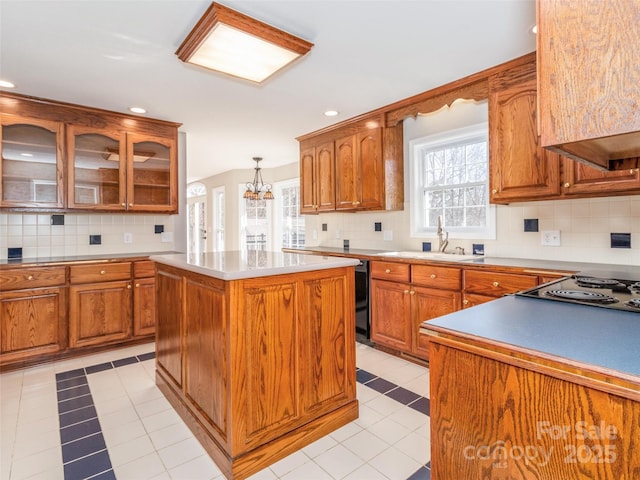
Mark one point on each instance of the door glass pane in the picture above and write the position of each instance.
(29, 164)
(96, 170)
(151, 169)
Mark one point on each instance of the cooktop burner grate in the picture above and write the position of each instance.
(596, 282)
(582, 296)
(634, 302)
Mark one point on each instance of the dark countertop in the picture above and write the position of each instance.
(39, 261)
(585, 334)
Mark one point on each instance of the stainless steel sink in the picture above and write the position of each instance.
(450, 257)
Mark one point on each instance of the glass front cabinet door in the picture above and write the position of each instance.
(31, 168)
(97, 169)
(151, 174)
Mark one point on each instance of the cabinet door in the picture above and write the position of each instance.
(326, 343)
(31, 165)
(371, 169)
(317, 179)
(520, 169)
(308, 181)
(32, 322)
(99, 313)
(347, 171)
(96, 169)
(579, 178)
(391, 323)
(144, 306)
(151, 174)
(430, 303)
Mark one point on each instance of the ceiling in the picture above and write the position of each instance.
(116, 54)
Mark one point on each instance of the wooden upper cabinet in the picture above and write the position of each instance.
(581, 179)
(31, 169)
(317, 178)
(520, 169)
(97, 168)
(61, 156)
(151, 173)
(352, 166)
(360, 171)
(589, 80)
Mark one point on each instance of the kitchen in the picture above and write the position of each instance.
(574, 218)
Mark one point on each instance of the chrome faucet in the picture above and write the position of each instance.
(443, 237)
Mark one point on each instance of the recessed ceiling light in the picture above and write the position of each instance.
(6, 84)
(236, 44)
(137, 110)
(331, 113)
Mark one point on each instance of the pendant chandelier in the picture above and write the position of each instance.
(258, 190)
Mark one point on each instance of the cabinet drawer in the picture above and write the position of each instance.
(436, 277)
(497, 284)
(19, 278)
(399, 272)
(144, 268)
(102, 272)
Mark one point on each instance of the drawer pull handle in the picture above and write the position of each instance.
(388, 270)
(102, 272)
(433, 275)
(30, 277)
(496, 284)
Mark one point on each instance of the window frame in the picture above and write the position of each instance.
(449, 138)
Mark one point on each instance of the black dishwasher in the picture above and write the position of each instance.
(363, 326)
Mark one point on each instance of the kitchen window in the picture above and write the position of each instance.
(450, 179)
(289, 222)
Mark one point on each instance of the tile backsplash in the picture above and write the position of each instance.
(38, 238)
(585, 227)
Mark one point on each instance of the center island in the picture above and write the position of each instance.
(255, 350)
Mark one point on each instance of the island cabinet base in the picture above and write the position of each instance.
(507, 416)
(257, 367)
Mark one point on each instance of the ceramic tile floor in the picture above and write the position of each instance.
(101, 417)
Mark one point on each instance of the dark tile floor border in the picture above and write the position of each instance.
(84, 452)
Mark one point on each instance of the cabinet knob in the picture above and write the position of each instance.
(496, 284)
(129, 286)
(137, 285)
(123, 204)
(433, 275)
(412, 292)
(388, 270)
(30, 277)
(406, 291)
(102, 272)
(465, 301)
(494, 191)
(566, 185)
(131, 204)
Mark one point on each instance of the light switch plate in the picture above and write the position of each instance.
(551, 238)
(388, 235)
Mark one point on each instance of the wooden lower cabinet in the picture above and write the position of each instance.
(99, 313)
(480, 286)
(495, 416)
(258, 367)
(430, 303)
(144, 298)
(391, 314)
(33, 310)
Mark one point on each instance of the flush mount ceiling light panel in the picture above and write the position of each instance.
(236, 44)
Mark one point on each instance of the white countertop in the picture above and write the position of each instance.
(235, 265)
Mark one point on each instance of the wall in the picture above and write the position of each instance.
(585, 224)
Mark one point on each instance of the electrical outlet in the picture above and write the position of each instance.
(127, 237)
(387, 235)
(338, 234)
(551, 238)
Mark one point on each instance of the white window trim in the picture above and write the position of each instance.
(278, 226)
(416, 207)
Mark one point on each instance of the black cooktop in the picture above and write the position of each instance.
(589, 290)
